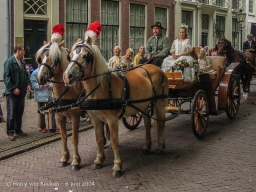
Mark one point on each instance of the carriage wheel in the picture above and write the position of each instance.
(233, 97)
(199, 114)
(132, 121)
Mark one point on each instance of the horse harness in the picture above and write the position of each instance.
(120, 103)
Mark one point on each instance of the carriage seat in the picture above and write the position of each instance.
(216, 62)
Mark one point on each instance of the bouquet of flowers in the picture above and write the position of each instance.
(181, 65)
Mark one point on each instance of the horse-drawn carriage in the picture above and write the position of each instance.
(145, 89)
(209, 94)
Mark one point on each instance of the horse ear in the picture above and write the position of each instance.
(44, 43)
(219, 38)
(89, 40)
(78, 40)
(61, 43)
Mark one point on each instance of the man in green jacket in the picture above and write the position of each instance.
(157, 48)
(17, 83)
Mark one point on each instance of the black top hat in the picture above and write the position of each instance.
(157, 24)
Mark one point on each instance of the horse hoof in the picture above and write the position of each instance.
(116, 174)
(74, 167)
(96, 166)
(159, 152)
(63, 164)
(144, 152)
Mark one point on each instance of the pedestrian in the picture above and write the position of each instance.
(2, 119)
(42, 95)
(139, 55)
(157, 47)
(17, 83)
(249, 45)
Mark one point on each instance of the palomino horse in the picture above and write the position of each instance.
(148, 88)
(54, 61)
(247, 59)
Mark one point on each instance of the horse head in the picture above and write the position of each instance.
(222, 46)
(84, 57)
(48, 57)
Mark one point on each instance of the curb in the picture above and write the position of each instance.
(38, 143)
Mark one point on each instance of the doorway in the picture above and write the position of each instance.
(35, 32)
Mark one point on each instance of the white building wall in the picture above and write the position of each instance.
(3, 40)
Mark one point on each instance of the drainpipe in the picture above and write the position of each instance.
(8, 14)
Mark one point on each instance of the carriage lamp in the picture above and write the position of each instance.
(240, 18)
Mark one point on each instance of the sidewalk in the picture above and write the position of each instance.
(35, 138)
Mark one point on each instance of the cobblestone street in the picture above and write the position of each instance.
(224, 160)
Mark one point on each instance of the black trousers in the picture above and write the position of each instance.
(15, 109)
(155, 61)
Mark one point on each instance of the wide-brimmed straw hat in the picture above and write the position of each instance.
(157, 24)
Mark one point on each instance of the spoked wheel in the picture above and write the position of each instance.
(132, 122)
(233, 97)
(199, 114)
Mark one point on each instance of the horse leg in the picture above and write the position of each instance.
(75, 165)
(147, 145)
(61, 123)
(117, 168)
(160, 111)
(99, 133)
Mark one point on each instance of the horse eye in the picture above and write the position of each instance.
(84, 56)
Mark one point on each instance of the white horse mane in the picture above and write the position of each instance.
(40, 51)
(55, 52)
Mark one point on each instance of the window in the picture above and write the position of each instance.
(235, 33)
(110, 27)
(251, 6)
(76, 20)
(161, 16)
(220, 3)
(220, 22)
(137, 26)
(187, 18)
(36, 7)
(205, 21)
(235, 4)
(204, 1)
(205, 28)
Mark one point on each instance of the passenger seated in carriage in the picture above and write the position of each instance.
(126, 60)
(139, 56)
(204, 63)
(181, 49)
(116, 59)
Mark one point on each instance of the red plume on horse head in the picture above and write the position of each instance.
(93, 31)
(57, 33)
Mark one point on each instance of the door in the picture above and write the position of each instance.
(34, 35)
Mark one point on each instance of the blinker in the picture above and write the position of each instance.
(78, 50)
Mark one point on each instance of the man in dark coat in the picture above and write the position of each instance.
(250, 45)
(17, 83)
